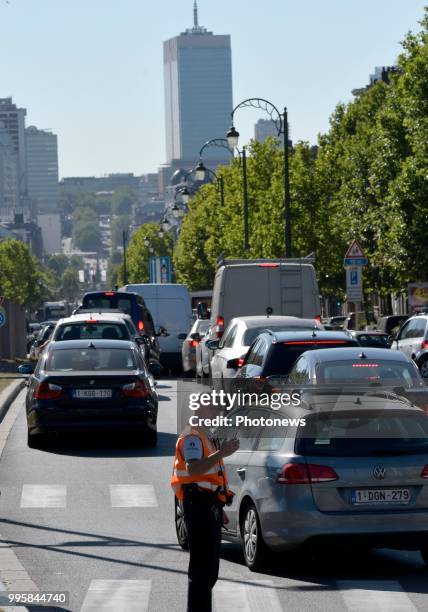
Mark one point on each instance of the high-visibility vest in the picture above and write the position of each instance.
(211, 480)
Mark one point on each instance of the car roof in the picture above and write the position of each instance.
(371, 332)
(318, 334)
(94, 316)
(258, 320)
(356, 352)
(79, 344)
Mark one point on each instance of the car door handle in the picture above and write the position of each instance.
(241, 472)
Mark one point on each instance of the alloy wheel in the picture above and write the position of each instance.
(424, 369)
(250, 535)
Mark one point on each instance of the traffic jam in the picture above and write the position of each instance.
(355, 475)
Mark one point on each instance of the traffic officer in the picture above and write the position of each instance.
(199, 480)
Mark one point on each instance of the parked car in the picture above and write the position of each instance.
(391, 324)
(171, 308)
(412, 340)
(188, 349)
(100, 385)
(272, 355)
(352, 366)
(336, 323)
(230, 351)
(317, 485)
(374, 339)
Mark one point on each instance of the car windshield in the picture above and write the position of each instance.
(93, 359)
(368, 371)
(365, 434)
(91, 330)
(202, 326)
(251, 334)
(285, 354)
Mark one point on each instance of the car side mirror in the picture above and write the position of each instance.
(236, 363)
(196, 336)
(213, 344)
(26, 368)
(162, 332)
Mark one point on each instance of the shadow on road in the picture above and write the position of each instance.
(111, 446)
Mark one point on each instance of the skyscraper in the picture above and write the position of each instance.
(198, 94)
(13, 122)
(42, 169)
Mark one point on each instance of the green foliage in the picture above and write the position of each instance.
(57, 263)
(22, 280)
(123, 200)
(138, 253)
(119, 225)
(86, 231)
(70, 284)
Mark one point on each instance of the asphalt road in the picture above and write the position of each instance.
(96, 520)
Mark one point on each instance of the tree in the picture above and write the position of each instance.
(138, 253)
(86, 231)
(123, 200)
(57, 263)
(70, 284)
(119, 225)
(22, 280)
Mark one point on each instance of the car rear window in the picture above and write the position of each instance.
(373, 340)
(251, 334)
(368, 371)
(284, 354)
(90, 359)
(92, 331)
(102, 301)
(366, 434)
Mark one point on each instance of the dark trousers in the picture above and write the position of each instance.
(203, 521)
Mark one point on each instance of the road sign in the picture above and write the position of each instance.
(160, 270)
(354, 284)
(354, 256)
(3, 317)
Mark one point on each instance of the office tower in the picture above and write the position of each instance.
(198, 94)
(9, 195)
(42, 169)
(13, 121)
(264, 128)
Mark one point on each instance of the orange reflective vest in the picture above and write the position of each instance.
(210, 480)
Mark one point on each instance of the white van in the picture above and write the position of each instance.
(244, 287)
(171, 308)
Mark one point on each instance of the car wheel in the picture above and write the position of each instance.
(180, 525)
(253, 545)
(423, 368)
(36, 440)
(151, 438)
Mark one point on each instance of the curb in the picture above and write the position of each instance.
(8, 396)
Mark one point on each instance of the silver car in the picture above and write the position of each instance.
(190, 344)
(357, 472)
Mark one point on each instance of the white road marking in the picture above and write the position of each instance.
(117, 596)
(375, 596)
(250, 597)
(133, 496)
(44, 496)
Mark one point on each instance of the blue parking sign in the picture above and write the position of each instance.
(160, 270)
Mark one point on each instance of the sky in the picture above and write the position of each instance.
(92, 70)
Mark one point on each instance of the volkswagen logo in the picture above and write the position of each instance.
(379, 472)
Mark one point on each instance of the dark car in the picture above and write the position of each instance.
(375, 339)
(84, 386)
(272, 355)
(131, 304)
(391, 324)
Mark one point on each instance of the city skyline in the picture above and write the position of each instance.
(113, 68)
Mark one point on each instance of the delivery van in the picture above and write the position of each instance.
(171, 309)
(244, 287)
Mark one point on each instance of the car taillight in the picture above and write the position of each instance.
(91, 321)
(302, 473)
(109, 293)
(220, 326)
(424, 344)
(140, 326)
(269, 265)
(424, 473)
(240, 362)
(193, 343)
(136, 389)
(318, 318)
(47, 390)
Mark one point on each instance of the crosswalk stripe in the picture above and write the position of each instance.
(250, 597)
(44, 496)
(117, 596)
(375, 596)
(133, 496)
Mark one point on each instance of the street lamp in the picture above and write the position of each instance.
(165, 226)
(185, 195)
(281, 123)
(200, 171)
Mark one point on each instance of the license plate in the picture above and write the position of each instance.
(380, 496)
(92, 393)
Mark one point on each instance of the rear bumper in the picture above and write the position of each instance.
(393, 529)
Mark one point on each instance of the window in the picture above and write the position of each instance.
(230, 337)
(370, 372)
(90, 359)
(261, 350)
(404, 331)
(253, 352)
(299, 375)
(92, 331)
